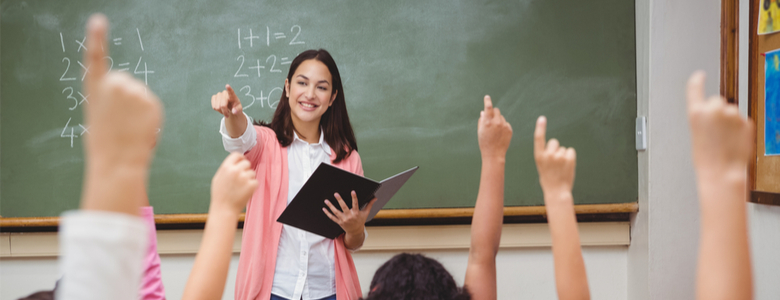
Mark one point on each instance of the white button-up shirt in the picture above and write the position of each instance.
(305, 262)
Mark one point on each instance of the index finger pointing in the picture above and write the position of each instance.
(540, 134)
(97, 49)
(695, 92)
(231, 93)
(488, 106)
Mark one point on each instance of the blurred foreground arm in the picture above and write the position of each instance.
(103, 245)
(722, 143)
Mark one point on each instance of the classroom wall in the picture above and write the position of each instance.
(674, 38)
(27, 260)
(523, 273)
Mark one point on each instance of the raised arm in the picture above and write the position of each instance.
(722, 142)
(555, 165)
(102, 245)
(227, 103)
(231, 188)
(494, 135)
(124, 119)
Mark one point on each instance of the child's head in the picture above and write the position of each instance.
(313, 92)
(43, 295)
(413, 277)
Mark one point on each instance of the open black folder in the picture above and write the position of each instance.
(305, 210)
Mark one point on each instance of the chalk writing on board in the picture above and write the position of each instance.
(81, 44)
(86, 130)
(71, 135)
(85, 72)
(263, 54)
(268, 98)
(83, 98)
(123, 65)
(70, 96)
(74, 98)
(63, 78)
(294, 42)
(250, 36)
(146, 71)
(241, 57)
(265, 101)
(257, 67)
(141, 42)
(62, 41)
(271, 64)
(248, 93)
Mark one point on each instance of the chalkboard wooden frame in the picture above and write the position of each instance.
(384, 216)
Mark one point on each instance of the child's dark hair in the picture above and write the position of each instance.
(43, 295)
(414, 277)
(334, 122)
(46, 295)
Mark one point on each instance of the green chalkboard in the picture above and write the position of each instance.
(414, 74)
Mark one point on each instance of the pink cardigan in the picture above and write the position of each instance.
(151, 283)
(260, 241)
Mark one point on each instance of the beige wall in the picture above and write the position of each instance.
(674, 38)
(525, 269)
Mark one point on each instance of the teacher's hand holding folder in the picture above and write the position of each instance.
(351, 219)
(319, 208)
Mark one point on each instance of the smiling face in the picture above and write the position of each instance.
(310, 92)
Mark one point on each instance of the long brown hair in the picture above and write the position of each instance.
(334, 122)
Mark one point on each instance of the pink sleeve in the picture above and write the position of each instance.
(358, 164)
(151, 283)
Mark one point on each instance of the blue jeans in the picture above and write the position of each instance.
(275, 297)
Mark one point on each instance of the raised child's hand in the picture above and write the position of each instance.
(233, 184)
(494, 132)
(723, 140)
(226, 102)
(122, 115)
(554, 163)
